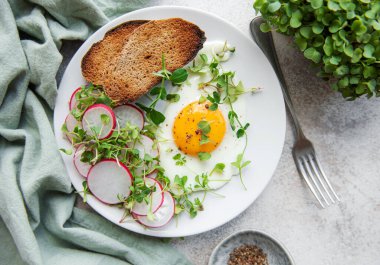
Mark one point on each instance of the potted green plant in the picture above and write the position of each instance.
(341, 36)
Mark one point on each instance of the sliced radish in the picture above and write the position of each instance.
(131, 114)
(73, 100)
(92, 121)
(146, 146)
(71, 123)
(82, 167)
(162, 216)
(155, 200)
(108, 179)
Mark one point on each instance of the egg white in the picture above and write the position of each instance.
(225, 153)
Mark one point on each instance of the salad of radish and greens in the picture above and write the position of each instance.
(116, 148)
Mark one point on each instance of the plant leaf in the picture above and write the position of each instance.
(203, 156)
(179, 76)
(312, 54)
(156, 116)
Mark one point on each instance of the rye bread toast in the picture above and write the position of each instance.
(96, 60)
(129, 74)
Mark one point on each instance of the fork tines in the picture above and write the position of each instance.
(311, 170)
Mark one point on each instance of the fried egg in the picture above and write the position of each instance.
(179, 133)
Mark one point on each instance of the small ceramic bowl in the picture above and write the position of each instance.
(276, 252)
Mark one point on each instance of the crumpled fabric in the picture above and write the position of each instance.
(39, 223)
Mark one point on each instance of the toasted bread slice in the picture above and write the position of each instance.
(129, 74)
(96, 60)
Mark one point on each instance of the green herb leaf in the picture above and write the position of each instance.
(316, 3)
(218, 168)
(306, 32)
(177, 156)
(173, 97)
(144, 108)
(358, 27)
(333, 6)
(180, 160)
(273, 7)
(312, 54)
(202, 99)
(358, 53)
(105, 119)
(216, 96)
(204, 126)
(295, 20)
(204, 156)
(155, 90)
(156, 116)
(213, 107)
(328, 46)
(179, 76)
(231, 117)
(240, 133)
(317, 28)
(66, 151)
(265, 27)
(368, 51)
(301, 42)
(204, 139)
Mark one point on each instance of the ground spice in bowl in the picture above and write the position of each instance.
(248, 255)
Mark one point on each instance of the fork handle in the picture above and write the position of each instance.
(266, 43)
(285, 90)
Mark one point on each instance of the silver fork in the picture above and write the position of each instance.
(304, 154)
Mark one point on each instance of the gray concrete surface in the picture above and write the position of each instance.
(347, 138)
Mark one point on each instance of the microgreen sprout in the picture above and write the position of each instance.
(180, 159)
(88, 95)
(204, 156)
(218, 168)
(85, 191)
(176, 78)
(226, 91)
(204, 128)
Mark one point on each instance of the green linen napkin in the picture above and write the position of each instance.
(39, 223)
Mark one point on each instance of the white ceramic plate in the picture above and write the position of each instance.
(266, 114)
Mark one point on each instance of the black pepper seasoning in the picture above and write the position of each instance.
(248, 255)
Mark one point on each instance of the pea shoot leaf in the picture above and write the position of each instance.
(179, 76)
(218, 168)
(204, 156)
(204, 126)
(156, 116)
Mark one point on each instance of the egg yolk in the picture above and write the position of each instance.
(187, 135)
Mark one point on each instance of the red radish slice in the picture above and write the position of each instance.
(82, 167)
(73, 100)
(107, 180)
(146, 146)
(131, 114)
(156, 199)
(92, 122)
(71, 123)
(163, 215)
(152, 175)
